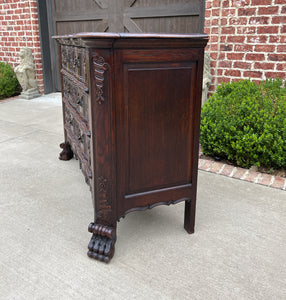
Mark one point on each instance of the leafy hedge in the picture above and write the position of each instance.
(246, 123)
(9, 84)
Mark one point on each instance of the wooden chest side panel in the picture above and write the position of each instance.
(156, 102)
(159, 117)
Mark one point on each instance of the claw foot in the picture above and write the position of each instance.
(67, 153)
(101, 245)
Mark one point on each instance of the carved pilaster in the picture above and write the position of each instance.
(101, 246)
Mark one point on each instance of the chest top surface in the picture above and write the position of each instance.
(130, 40)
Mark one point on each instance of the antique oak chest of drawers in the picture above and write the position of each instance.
(131, 109)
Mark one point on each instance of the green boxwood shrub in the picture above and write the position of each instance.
(9, 84)
(245, 123)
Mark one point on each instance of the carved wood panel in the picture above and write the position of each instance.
(75, 102)
(79, 140)
(80, 143)
(77, 97)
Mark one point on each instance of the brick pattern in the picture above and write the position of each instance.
(19, 27)
(247, 39)
(241, 173)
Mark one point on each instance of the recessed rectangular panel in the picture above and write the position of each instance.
(70, 27)
(75, 5)
(158, 103)
(182, 24)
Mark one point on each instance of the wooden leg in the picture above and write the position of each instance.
(67, 153)
(190, 214)
(101, 245)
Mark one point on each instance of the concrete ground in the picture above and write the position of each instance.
(237, 252)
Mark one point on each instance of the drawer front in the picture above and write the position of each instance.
(75, 104)
(75, 61)
(78, 136)
(76, 96)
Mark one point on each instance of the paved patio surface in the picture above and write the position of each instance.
(237, 252)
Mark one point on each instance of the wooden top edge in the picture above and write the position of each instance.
(86, 35)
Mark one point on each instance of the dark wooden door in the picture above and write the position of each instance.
(169, 16)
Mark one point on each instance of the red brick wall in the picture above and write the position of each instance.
(19, 27)
(247, 39)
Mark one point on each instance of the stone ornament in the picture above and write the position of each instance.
(25, 73)
(207, 79)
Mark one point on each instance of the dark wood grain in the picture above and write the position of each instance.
(131, 116)
(152, 122)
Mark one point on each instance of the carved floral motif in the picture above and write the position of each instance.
(74, 62)
(102, 184)
(104, 206)
(100, 66)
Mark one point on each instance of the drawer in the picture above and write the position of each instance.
(76, 96)
(79, 138)
(74, 61)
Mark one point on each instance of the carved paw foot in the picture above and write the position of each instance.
(101, 245)
(67, 153)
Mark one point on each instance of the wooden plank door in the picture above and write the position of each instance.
(170, 16)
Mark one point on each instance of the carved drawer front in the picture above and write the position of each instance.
(77, 97)
(74, 61)
(79, 139)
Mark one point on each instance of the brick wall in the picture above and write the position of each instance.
(247, 39)
(19, 27)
